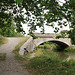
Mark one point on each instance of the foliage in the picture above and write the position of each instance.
(49, 66)
(18, 2)
(48, 45)
(6, 32)
(47, 62)
(9, 30)
(58, 36)
(70, 49)
(3, 40)
(62, 34)
(31, 34)
(35, 15)
(72, 35)
(10, 18)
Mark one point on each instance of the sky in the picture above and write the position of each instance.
(48, 29)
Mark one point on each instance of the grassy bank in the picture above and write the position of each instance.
(70, 49)
(44, 65)
(17, 48)
(3, 40)
(45, 61)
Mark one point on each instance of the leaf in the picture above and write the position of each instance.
(18, 2)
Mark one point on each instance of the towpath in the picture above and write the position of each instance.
(10, 66)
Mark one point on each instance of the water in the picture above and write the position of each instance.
(66, 55)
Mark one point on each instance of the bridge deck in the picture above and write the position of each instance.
(47, 35)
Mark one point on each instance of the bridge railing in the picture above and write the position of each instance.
(47, 35)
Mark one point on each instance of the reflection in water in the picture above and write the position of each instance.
(66, 55)
(62, 55)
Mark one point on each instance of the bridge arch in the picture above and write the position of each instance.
(61, 42)
(31, 43)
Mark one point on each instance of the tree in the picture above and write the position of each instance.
(72, 35)
(56, 12)
(63, 34)
(37, 12)
(10, 17)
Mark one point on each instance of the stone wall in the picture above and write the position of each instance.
(28, 45)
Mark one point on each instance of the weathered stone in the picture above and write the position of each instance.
(32, 43)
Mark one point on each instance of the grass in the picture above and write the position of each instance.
(2, 56)
(70, 49)
(3, 40)
(17, 48)
(51, 66)
(45, 61)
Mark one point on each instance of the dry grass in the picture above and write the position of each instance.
(2, 56)
(3, 40)
(17, 48)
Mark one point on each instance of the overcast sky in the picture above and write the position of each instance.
(48, 29)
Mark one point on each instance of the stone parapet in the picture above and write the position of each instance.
(47, 35)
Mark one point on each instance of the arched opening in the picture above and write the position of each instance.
(61, 45)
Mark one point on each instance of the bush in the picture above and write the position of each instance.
(70, 49)
(57, 37)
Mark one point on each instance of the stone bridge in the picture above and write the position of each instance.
(41, 38)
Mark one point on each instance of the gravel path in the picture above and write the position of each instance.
(10, 66)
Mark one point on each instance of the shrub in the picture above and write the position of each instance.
(59, 36)
(70, 49)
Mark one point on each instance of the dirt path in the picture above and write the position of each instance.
(10, 66)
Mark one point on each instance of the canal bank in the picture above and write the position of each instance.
(46, 60)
